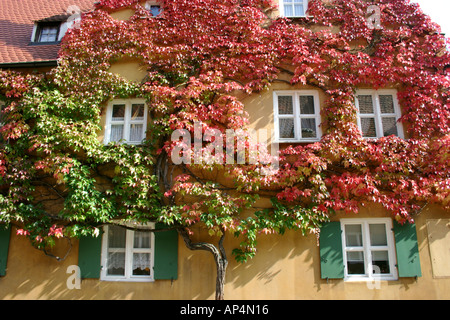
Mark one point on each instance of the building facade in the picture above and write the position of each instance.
(358, 256)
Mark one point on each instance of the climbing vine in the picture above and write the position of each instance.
(59, 180)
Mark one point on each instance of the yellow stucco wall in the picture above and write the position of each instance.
(285, 267)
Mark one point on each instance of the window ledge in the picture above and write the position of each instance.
(111, 279)
(363, 279)
(297, 141)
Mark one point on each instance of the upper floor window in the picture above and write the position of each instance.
(126, 120)
(153, 7)
(368, 249)
(47, 32)
(293, 8)
(297, 116)
(378, 113)
(127, 255)
(53, 29)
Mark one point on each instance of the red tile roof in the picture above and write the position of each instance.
(17, 18)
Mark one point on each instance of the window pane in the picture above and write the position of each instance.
(116, 237)
(141, 264)
(287, 128)
(355, 262)
(288, 10)
(380, 262)
(118, 112)
(365, 104)
(136, 132)
(155, 10)
(378, 234)
(116, 263)
(299, 11)
(387, 104)
(353, 235)
(141, 240)
(116, 132)
(285, 105)
(307, 105)
(48, 34)
(116, 250)
(137, 112)
(389, 126)
(309, 128)
(368, 127)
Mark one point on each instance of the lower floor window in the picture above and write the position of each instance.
(368, 249)
(127, 255)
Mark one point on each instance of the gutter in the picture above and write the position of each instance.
(31, 64)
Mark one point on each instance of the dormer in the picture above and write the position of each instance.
(52, 29)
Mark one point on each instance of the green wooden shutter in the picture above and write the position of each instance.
(166, 254)
(331, 256)
(408, 261)
(5, 232)
(89, 256)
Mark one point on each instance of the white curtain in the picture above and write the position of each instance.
(141, 261)
(136, 131)
(368, 127)
(116, 260)
(116, 132)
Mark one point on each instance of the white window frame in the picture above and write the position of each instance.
(281, 8)
(127, 122)
(377, 115)
(367, 249)
(129, 250)
(297, 116)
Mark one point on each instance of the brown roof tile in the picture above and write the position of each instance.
(17, 18)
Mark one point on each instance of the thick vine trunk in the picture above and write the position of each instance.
(219, 255)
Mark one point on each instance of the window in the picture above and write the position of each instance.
(297, 116)
(368, 249)
(378, 113)
(133, 248)
(153, 7)
(47, 32)
(293, 8)
(127, 255)
(126, 121)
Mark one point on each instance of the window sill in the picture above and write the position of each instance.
(297, 141)
(370, 279)
(133, 279)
